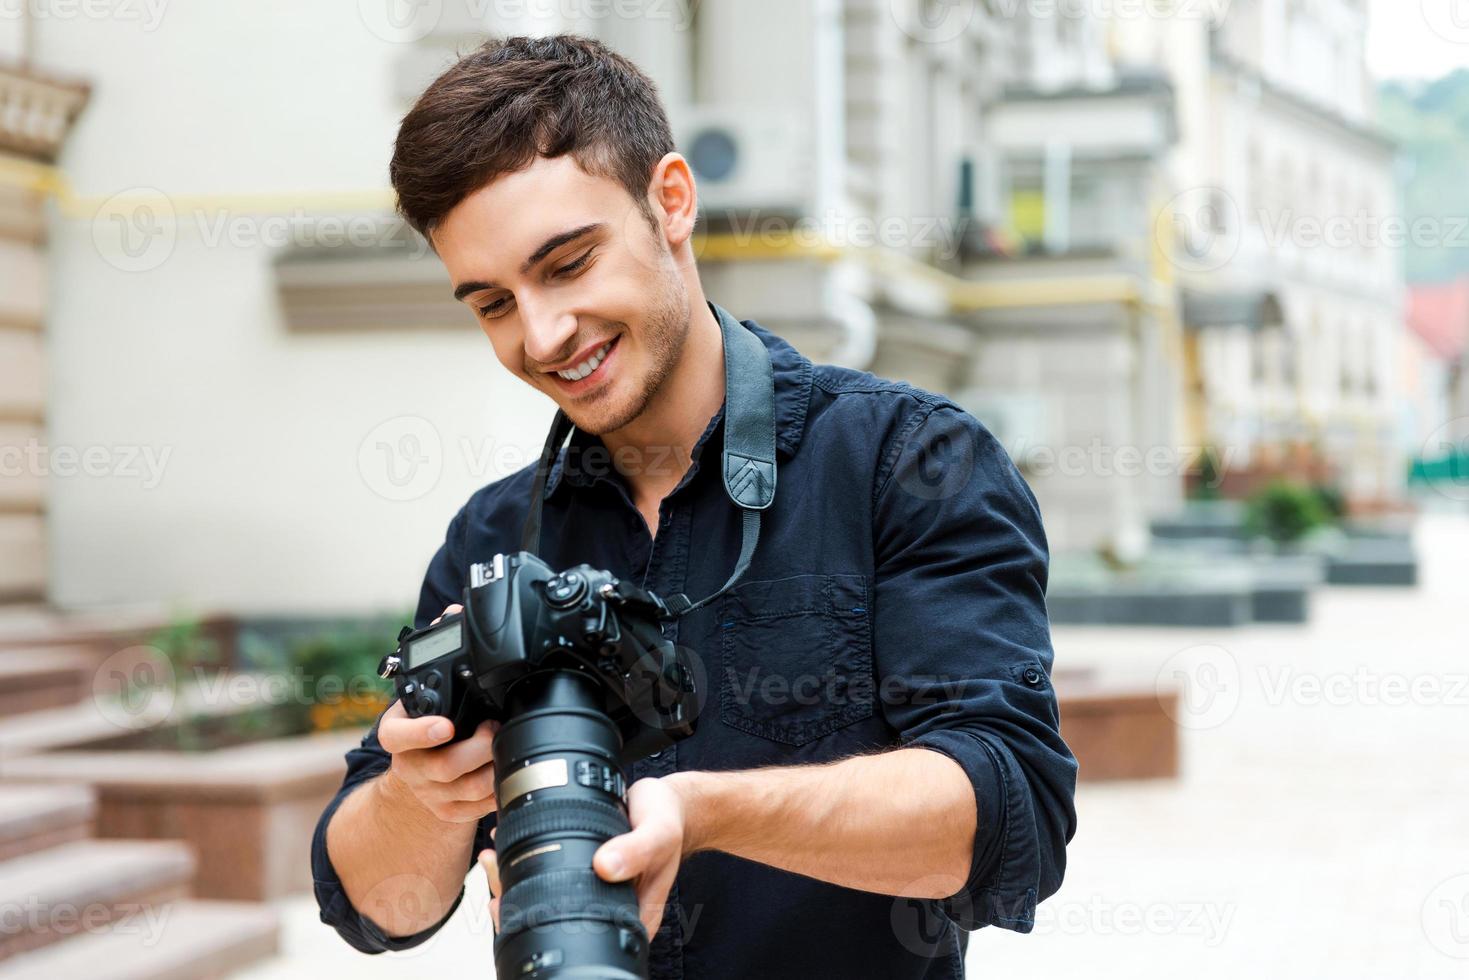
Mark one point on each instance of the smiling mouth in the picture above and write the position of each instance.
(587, 373)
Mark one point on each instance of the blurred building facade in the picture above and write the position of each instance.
(1069, 223)
(36, 113)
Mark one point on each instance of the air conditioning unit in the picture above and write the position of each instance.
(748, 158)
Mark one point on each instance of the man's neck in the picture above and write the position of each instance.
(660, 440)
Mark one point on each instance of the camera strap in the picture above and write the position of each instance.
(747, 462)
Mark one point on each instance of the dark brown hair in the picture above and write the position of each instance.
(517, 98)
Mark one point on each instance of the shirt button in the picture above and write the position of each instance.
(1032, 676)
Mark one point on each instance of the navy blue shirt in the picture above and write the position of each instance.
(897, 598)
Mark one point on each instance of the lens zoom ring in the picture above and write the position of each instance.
(568, 893)
(558, 816)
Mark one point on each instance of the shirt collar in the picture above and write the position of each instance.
(792, 377)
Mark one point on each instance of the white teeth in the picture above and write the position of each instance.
(588, 366)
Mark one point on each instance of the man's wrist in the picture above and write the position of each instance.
(698, 792)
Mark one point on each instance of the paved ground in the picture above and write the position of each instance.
(1321, 828)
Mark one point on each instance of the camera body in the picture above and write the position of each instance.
(521, 617)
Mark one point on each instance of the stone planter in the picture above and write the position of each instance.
(247, 812)
(1118, 730)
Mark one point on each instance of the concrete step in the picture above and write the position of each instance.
(75, 889)
(180, 941)
(33, 680)
(33, 818)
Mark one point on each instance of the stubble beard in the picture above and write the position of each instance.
(665, 334)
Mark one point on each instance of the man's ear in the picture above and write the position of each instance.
(675, 199)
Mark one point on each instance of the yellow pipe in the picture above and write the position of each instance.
(961, 295)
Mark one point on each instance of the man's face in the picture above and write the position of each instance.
(577, 292)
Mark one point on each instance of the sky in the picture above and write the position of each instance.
(1417, 38)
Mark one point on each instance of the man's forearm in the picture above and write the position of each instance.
(400, 865)
(899, 823)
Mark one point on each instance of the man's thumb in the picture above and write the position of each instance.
(620, 858)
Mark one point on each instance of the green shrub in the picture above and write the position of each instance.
(1285, 512)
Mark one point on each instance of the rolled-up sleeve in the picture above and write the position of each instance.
(964, 652)
(369, 760)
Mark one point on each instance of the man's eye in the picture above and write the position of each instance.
(576, 266)
(492, 308)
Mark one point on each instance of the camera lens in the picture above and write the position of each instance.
(560, 787)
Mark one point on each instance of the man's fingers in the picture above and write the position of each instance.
(463, 757)
(491, 864)
(399, 733)
(653, 897)
(472, 787)
(448, 611)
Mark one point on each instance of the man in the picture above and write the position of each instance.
(877, 767)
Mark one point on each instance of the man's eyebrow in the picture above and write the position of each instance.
(547, 247)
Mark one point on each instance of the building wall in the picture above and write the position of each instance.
(279, 488)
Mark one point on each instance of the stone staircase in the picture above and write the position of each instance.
(73, 906)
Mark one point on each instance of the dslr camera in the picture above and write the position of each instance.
(576, 668)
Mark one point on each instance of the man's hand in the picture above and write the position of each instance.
(455, 783)
(649, 855)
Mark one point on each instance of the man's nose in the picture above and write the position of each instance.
(548, 331)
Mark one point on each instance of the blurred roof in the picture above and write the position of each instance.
(1439, 315)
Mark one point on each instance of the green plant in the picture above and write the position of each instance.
(1206, 487)
(1333, 501)
(1285, 512)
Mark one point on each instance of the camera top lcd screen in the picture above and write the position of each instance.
(435, 645)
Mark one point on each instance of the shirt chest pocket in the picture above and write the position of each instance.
(796, 656)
